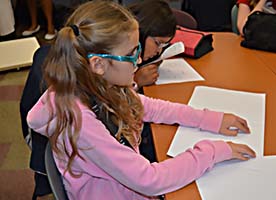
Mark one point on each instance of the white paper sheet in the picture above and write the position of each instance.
(175, 71)
(172, 50)
(249, 180)
(250, 106)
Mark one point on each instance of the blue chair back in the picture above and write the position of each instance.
(234, 19)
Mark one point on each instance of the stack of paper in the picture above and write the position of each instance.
(239, 180)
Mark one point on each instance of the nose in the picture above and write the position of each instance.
(139, 61)
(159, 50)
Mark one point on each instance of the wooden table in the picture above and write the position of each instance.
(228, 66)
(268, 58)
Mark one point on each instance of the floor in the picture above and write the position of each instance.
(16, 180)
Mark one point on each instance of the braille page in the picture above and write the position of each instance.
(250, 106)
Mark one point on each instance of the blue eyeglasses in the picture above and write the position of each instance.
(133, 59)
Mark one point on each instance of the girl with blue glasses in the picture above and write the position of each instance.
(93, 117)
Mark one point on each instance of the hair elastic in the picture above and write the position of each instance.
(75, 29)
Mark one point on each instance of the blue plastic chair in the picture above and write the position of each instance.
(234, 19)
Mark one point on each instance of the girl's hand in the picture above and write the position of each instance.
(232, 124)
(241, 151)
(146, 75)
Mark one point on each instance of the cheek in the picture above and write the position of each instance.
(149, 50)
(126, 72)
(121, 74)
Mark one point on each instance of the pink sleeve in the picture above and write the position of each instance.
(159, 111)
(38, 117)
(129, 168)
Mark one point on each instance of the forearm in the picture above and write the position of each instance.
(243, 13)
(159, 111)
(156, 178)
(259, 6)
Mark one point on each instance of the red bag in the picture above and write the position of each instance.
(197, 43)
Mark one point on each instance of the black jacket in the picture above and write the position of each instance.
(33, 89)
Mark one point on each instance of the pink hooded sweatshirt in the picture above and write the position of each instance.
(111, 170)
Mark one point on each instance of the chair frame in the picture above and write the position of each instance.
(184, 19)
(54, 176)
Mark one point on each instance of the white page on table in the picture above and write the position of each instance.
(175, 71)
(250, 106)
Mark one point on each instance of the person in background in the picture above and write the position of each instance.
(33, 89)
(246, 7)
(7, 30)
(93, 117)
(157, 26)
(47, 7)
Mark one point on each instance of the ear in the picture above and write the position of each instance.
(97, 65)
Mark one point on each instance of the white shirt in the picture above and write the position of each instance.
(7, 18)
